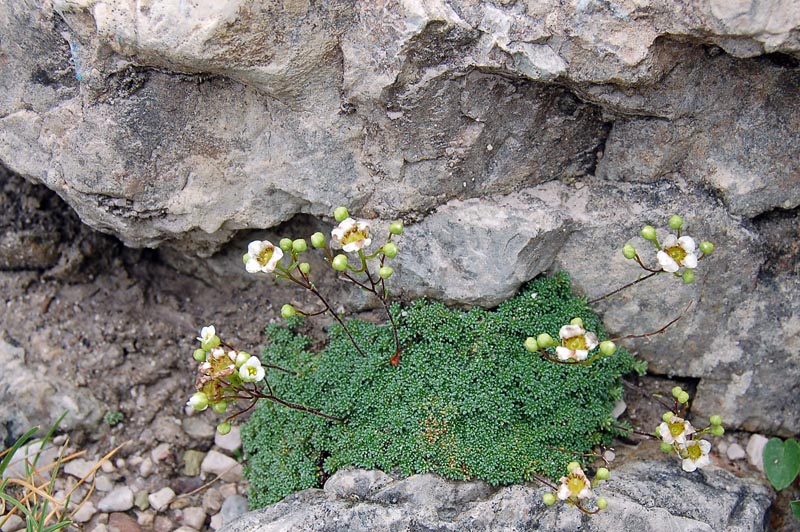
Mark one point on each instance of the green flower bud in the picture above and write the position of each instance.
(385, 272)
(666, 417)
(649, 233)
(304, 267)
(245, 258)
(549, 499)
(241, 358)
(676, 391)
(717, 430)
(285, 244)
(219, 407)
(707, 248)
(390, 250)
(603, 473)
(396, 228)
(210, 344)
(576, 321)
(299, 245)
(199, 401)
(675, 222)
(545, 340)
(683, 398)
(716, 420)
(531, 345)
(199, 355)
(602, 504)
(572, 466)
(628, 251)
(688, 276)
(608, 348)
(224, 428)
(339, 263)
(287, 311)
(666, 448)
(318, 240)
(340, 214)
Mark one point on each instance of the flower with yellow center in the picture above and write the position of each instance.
(251, 371)
(695, 455)
(262, 256)
(574, 486)
(575, 343)
(675, 431)
(352, 235)
(676, 253)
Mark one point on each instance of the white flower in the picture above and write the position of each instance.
(677, 252)
(675, 431)
(352, 235)
(251, 371)
(574, 486)
(263, 257)
(575, 343)
(217, 353)
(696, 455)
(207, 334)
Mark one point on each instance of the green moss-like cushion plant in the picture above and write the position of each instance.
(466, 401)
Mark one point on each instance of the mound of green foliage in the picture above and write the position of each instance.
(467, 401)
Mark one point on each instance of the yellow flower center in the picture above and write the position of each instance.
(677, 253)
(575, 343)
(676, 428)
(694, 452)
(265, 255)
(575, 485)
(354, 235)
(251, 371)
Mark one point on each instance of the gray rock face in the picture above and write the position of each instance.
(513, 137)
(643, 497)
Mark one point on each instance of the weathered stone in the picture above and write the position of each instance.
(198, 428)
(224, 466)
(357, 484)
(191, 462)
(161, 499)
(230, 442)
(233, 507)
(118, 500)
(119, 522)
(755, 451)
(642, 496)
(193, 516)
(12, 524)
(736, 452)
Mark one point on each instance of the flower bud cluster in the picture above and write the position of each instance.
(576, 345)
(576, 487)
(678, 436)
(222, 373)
(676, 253)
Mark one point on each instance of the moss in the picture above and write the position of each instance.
(467, 400)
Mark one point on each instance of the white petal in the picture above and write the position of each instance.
(666, 262)
(688, 465)
(703, 461)
(585, 492)
(255, 247)
(277, 254)
(581, 354)
(690, 261)
(252, 266)
(705, 446)
(571, 331)
(669, 241)
(591, 340)
(666, 435)
(564, 353)
(563, 492)
(687, 243)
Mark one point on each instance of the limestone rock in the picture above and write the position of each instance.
(643, 497)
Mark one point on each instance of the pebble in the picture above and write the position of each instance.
(212, 500)
(619, 409)
(223, 466)
(140, 500)
(736, 452)
(228, 490)
(103, 483)
(193, 516)
(85, 513)
(755, 448)
(100, 528)
(78, 468)
(230, 442)
(161, 499)
(191, 462)
(163, 524)
(13, 524)
(108, 467)
(118, 522)
(146, 468)
(120, 463)
(233, 507)
(160, 453)
(145, 519)
(118, 500)
(186, 529)
(216, 521)
(198, 428)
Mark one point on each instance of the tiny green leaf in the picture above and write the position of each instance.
(781, 462)
(795, 508)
